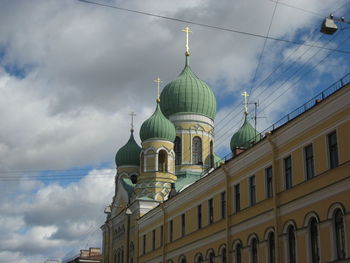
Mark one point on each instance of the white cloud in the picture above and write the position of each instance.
(55, 218)
(86, 67)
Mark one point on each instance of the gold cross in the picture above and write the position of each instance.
(187, 30)
(132, 114)
(158, 81)
(245, 95)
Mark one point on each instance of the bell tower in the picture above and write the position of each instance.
(157, 158)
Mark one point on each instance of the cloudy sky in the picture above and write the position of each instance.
(71, 72)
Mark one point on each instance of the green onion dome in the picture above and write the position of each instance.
(245, 136)
(158, 127)
(129, 154)
(188, 94)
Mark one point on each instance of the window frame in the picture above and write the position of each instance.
(291, 253)
(144, 244)
(161, 235)
(183, 225)
(223, 204)
(252, 190)
(309, 160)
(333, 154)
(197, 149)
(238, 245)
(210, 211)
(171, 230)
(178, 150)
(314, 240)
(254, 257)
(162, 166)
(237, 200)
(268, 182)
(271, 247)
(288, 172)
(199, 216)
(340, 241)
(153, 239)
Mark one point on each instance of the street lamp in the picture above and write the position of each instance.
(329, 26)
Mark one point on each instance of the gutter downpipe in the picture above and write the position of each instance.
(228, 213)
(275, 199)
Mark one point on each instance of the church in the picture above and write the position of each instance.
(282, 196)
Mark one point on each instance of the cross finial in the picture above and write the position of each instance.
(158, 81)
(132, 114)
(187, 30)
(245, 95)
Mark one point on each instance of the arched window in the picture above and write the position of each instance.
(210, 256)
(119, 257)
(238, 255)
(339, 233)
(291, 244)
(211, 154)
(178, 150)
(115, 258)
(271, 247)
(199, 258)
(223, 255)
(197, 150)
(162, 161)
(122, 257)
(182, 259)
(313, 232)
(254, 250)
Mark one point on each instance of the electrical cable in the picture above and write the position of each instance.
(209, 26)
(299, 8)
(263, 49)
(305, 63)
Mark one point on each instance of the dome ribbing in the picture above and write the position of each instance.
(245, 136)
(188, 94)
(157, 127)
(129, 154)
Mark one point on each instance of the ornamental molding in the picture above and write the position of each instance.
(176, 118)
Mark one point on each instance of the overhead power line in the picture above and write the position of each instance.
(299, 8)
(211, 26)
(263, 49)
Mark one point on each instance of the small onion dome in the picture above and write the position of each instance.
(129, 154)
(188, 94)
(245, 136)
(157, 127)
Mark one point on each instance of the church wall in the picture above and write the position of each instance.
(316, 195)
(187, 130)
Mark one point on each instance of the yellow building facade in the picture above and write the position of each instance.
(285, 198)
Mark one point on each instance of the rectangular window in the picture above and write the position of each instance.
(171, 226)
(223, 205)
(199, 216)
(183, 225)
(309, 162)
(333, 150)
(237, 198)
(153, 239)
(268, 178)
(252, 194)
(288, 172)
(144, 244)
(161, 235)
(211, 211)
